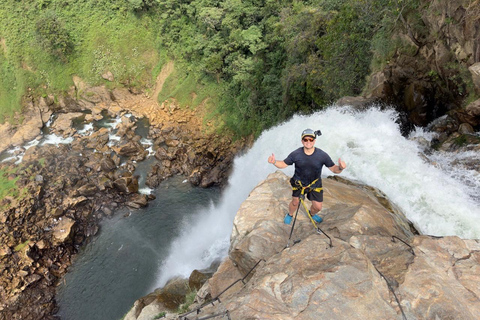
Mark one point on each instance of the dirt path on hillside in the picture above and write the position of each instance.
(167, 69)
(164, 113)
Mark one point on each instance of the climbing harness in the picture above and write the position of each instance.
(306, 190)
(217, 298)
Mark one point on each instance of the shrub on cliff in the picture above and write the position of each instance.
(53, 36)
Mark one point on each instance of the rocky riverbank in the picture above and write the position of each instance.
(377, 265)
(62, 191)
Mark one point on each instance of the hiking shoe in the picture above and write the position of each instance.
(317, 218)
(287, 219)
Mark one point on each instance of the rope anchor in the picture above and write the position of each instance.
(217, 298)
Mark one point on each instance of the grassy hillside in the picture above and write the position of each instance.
(44, 43)
(258, 61)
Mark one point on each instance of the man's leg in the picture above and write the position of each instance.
(316, 207)
(292, 207)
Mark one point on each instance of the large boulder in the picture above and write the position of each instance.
(376, 259)
(126, 184)
(442, 282)
(62, 231)
(34, 117)
(63, 122)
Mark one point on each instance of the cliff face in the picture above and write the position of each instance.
(65, 190)
(437, 64)
(377, 268)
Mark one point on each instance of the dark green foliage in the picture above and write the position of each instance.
(257, 61)
(140, 5)
(53, 36)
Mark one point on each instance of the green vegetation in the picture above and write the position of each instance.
(160, 315)
(255, 62)
(189, 298)
(21, 246)
(461, 140)
(7, 185)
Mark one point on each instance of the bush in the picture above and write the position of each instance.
(139, 5)
(53, 36)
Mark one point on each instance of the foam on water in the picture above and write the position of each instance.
(145, 190)
(149, 144)
(54, 139)
(86, 130)
(436, 198)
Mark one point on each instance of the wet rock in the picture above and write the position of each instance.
(62, 231)
(107, 164)
(29, 130)
(173, 293)
(130, 149)
(127, 184)
(465, 128)
(125, 127)
(161, 154)
(137, 201)
(216, 175)
(87, 190)
(97, 140)
(195, 177)
(66, 103)
(63, 123)
(153, 177)
(198, 278)
(416, 102)
(475, 71)
(470, 115)
(428, 80)
(358, 102)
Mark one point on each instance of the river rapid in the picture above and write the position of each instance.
(188, 228)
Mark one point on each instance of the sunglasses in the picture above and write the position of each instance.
(308, 139)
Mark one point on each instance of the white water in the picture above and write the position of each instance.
(87, 130)
(19, 152)
(438, 199)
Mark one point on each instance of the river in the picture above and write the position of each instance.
(188, 228)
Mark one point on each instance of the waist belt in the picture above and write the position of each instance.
(300, 186)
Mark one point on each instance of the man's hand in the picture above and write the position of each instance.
(271, 159)
(341, 164)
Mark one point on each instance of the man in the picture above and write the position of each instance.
(308, 162)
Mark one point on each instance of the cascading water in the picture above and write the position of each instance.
(438, 199)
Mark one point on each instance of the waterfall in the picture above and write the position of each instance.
(439, 199)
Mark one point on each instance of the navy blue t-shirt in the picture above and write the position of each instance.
(309, 167)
